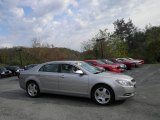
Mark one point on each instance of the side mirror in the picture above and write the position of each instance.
(79, 72)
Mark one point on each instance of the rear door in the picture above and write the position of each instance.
(49, 77)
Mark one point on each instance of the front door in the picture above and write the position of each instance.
(71, 82)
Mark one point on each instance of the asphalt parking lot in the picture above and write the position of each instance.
(16, 105)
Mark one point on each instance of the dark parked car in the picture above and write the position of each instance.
(4, 72)
(27, 67)
(14, 69)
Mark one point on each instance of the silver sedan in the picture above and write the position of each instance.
(77, 78)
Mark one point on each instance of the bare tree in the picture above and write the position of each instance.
(36, 42)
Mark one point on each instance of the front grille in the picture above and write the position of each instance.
(7, 72)
(118, 67)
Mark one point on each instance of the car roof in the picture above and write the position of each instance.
(69, 62)
(2, 67)
(90, 60)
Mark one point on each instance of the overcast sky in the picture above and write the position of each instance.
(66, 23)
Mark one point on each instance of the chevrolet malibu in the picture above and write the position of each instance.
(77, 78)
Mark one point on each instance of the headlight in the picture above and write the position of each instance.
(10, 72)
(3, 73)
(124, 83)
(123, 66)
(17, 70)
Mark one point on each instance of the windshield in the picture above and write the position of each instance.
(124, 58)
(108, 61)
(130, 58)
(100, 62)
(2, 69)
(14, 67)
(88, 67)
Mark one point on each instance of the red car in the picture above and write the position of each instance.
(109, 67)
(128, 63)
(139, 61)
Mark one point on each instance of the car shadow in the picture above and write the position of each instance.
(53, 99)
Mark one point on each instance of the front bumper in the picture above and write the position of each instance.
(6, 75)
(122, 92)
(117, 70)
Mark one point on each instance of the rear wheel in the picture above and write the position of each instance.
(33, 89)
(103, 95)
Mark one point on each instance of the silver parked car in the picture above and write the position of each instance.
(77, 78)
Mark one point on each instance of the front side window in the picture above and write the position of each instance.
(66, 68)
(87, 67)
(49, 68)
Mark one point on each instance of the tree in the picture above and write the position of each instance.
(112, 45)
(125, 31)
(36, 42)
(118, 47)
(87, 45)
(152, 36)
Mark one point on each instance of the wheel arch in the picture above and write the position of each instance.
(98, 84)
(31, 80)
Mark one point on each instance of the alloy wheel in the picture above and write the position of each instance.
(32, 89)
(102, 95)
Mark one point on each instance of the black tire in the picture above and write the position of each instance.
(36, 92)
(129, 68)
(136, 66)
(109, 91)
(1, 76)
(107, 69)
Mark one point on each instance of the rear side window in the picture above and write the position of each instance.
(49, 68)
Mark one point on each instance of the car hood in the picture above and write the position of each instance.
(115, 76)
(136, 60)
(128, 62)
(110, 65)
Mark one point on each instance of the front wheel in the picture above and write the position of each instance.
(103, 95)
(33, 89)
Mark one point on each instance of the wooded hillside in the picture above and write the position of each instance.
(11, 56)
